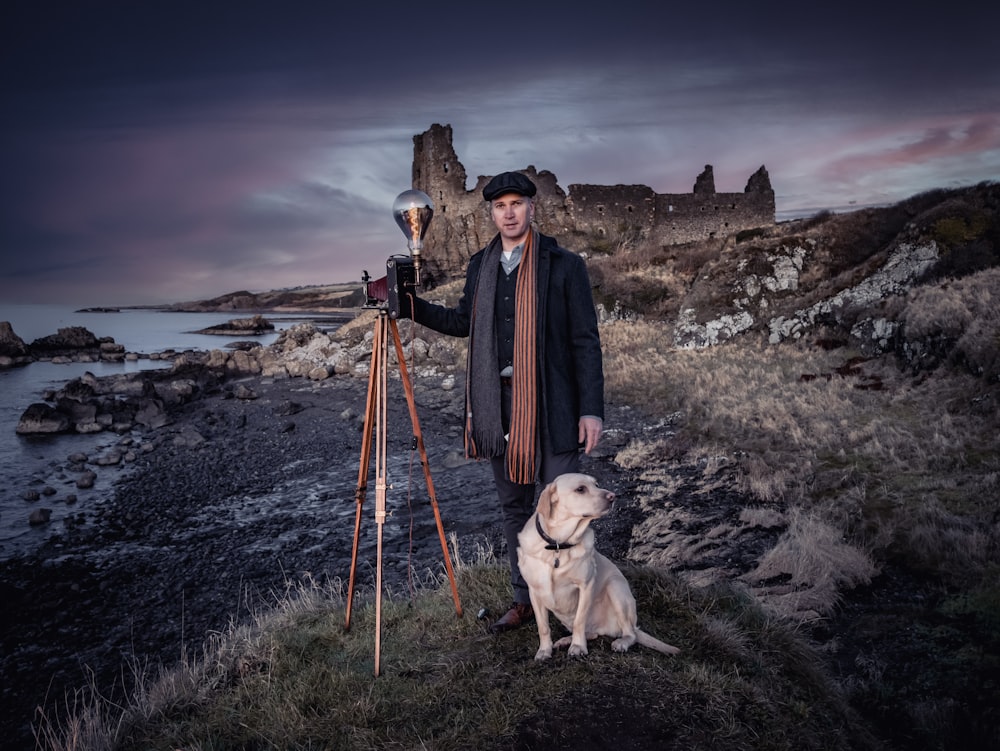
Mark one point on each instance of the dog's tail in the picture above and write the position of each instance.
(653, 643)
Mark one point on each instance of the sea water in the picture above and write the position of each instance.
(36, 462)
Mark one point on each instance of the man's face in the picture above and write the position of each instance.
(512, 214)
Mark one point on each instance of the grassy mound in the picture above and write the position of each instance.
(293, 678)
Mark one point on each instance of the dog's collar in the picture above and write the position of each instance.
(552, 544)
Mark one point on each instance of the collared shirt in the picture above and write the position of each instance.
(509, 261)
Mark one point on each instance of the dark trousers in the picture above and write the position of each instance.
(517, 501)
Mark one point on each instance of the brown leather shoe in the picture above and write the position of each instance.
(519, 614)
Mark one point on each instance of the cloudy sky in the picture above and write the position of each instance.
(162, 151)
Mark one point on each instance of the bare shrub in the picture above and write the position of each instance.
(979, 348)
(641, 454)
(763, 481)
(812, 564)
(817, 219)
(949, 308)
(935, 539)
(643, 280)
(861, 234)
(959, 319)
(692, 257)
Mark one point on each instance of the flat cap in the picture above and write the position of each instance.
(508, 182)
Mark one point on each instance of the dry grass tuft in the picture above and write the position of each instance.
(803, 574)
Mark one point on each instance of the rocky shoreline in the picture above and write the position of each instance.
(241, 486)
(244, 484)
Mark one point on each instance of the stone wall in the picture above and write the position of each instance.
(606, 214)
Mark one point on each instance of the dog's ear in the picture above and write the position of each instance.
(546, 500)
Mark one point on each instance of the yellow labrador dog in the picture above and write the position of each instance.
(568, 577)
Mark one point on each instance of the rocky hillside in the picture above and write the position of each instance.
(842, 274)
(848, 277)
(319, 299)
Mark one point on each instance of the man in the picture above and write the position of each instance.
(535, 379)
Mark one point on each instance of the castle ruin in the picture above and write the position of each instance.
(614, 214)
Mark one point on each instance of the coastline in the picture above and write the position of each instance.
(238, 499)
(250, 488)
(35, 466)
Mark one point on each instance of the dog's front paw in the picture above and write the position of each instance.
(578, 650)
(622, 644)
(543, 653)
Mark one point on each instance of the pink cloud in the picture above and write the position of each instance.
(913, 144)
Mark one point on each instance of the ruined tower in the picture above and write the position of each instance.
(462, 226)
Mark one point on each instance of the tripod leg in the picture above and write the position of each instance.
(363, 468)
(381, 480)
(411, 403)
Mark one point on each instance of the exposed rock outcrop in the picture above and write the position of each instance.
(118, 403)
(13, 350)
(240, 327)
(905, 265)
(43, 419)
(69, 344)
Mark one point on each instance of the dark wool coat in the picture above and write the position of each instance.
(569, 347)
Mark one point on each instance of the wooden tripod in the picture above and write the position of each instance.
(375, 423)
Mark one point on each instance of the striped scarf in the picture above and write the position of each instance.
(484, 426)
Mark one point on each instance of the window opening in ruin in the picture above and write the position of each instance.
(600, 209)
(446, 168)
(670, 207)
(629, 209)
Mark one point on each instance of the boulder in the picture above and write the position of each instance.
(11, 345)
(320, 372)
(240, 327)
(39, 516)
(112, 352)
(242, 391)
(41, 418)
(152, 414)
(68, 338)
(86, 479)
(242, 363)
(189, 438)
(110, 459)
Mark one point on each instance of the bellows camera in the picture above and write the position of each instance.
(393, 289)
